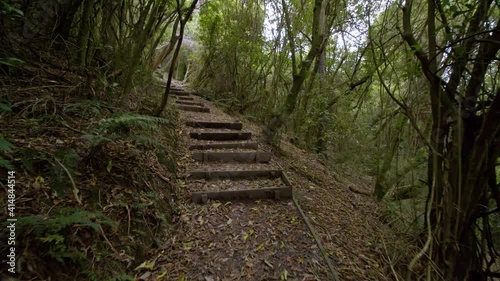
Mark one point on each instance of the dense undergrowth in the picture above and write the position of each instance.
(95, 182)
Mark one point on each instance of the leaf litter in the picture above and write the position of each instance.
(266, 240)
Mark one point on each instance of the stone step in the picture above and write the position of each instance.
(182, 91)
(242, 174)
(247, 194)
(220, 136)
(230, 157)
(184, 98)
(194, 108)
(179, 93)
(215, 125)
(189, 103)
(244, 145)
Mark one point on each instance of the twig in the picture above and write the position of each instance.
(107, 240)
(335, 275)
(71, 128)
(129, 219)
(75, 189)
(161, 176)
(389, 260)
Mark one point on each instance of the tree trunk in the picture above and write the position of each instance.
(463, 152)
(84, 33)
(183, 22)
(43, 21)
(167, 49)
(299, 75)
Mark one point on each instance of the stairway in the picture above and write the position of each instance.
(227, 153)
(242, 223)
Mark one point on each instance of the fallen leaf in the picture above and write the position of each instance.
(188, 246)
(145, 276)
(248, 235)
(284, 275)
(268, 264)
(260, 247)
(146, 265)
(161, 275)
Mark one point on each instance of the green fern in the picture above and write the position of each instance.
(146, 141)
(53, 231)
(134, 128)
(68, 217)
(5, 108)
(7, 147)
(131, 122)
(86, 108)
(95, 140)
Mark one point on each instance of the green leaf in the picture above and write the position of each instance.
(284, 275)
(459, 50)
(53, 238)
(110, 166)
(5, 108)
(8, 9)
(5, 145)
(11, 61)
(6, 164)
(149, 265)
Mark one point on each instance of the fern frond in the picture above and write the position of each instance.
(42, 225)
(146, 141)
(6, 164)
(132, 122)
(96, 139)
(5, 145)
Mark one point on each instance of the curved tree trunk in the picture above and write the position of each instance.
(183, 22)
(463, 144)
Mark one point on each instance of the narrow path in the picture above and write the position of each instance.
(241, 223)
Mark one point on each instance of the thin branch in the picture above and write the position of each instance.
(76, 191)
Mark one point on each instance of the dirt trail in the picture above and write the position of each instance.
(258, 238)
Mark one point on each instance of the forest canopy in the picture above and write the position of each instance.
(402, 96)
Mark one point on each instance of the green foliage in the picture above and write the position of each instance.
(5, 108)
(41, 225)
(52, 231)
(12, 12)
(134, 128)
(86, 108)
(10, 61)
(126, 123)
(7, 147)
(7, 9)
(58, 249)
(233, 59)
(59, 178)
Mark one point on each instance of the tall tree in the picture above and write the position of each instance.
(462, 41)
(184, 16)
(300, 69)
